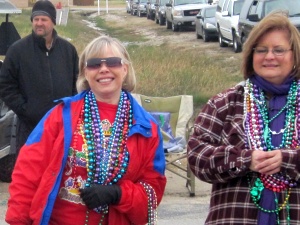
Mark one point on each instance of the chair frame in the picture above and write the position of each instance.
(171, 164)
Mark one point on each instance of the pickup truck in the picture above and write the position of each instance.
(182, 13)
(8, 119)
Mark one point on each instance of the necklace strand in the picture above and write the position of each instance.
(259, 136)
(106, 159)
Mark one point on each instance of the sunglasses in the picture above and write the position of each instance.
(95, 63)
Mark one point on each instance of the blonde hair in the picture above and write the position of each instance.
(97, 48)
(277, 20)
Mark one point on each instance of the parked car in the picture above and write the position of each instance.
(227, 18)
(128, 6)
(181, 13)
(205, 23)
(141, 8)
(150, 8)
(253, 11)
(8, 118)
(133, 7)
(160, 11)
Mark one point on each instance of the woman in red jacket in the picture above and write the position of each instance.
(97, 157)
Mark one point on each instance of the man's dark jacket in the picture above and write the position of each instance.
(32, 76)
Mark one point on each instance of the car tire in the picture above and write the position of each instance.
(152, 16)
(204, 36)
(236, 46)
(243, 39)
(161, 20)
(221, 42)
(7, 164)
(197, 34)
(156, 20)
(168, 24)
(175, 27)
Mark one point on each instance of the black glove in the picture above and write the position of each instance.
(99, 195)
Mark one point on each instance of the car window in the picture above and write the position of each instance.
(220, 5)
(163, 2)
(275, 5)
(210, 12)
(225, 6)
(237, 7)
(257, 8)
(178, 2)
(260, 10)
(229, 8)
(253, 7)
(183, 2)
(294, 7)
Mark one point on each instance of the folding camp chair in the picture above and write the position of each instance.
(177, 112)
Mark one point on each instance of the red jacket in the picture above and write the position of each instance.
(38, 171)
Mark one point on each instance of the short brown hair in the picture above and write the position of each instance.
(277, 20)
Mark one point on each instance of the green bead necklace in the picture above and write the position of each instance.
(256, 191)
(290, 119)
(256, 110)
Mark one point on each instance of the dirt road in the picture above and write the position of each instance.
(158, 35)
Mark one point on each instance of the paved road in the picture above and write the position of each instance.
(176, 208)
(179, 210)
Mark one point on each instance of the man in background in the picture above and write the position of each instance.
(37, 69)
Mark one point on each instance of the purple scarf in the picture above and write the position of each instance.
(276, 103)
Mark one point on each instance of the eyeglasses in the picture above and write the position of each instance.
(95, 63)
(278, 51)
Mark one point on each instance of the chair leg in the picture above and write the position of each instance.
(191, 182)
(193, 185)
(189, 176)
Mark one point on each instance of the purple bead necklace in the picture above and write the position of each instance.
(107, 159)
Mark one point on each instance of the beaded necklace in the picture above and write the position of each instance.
(106, 160)
(258, 136)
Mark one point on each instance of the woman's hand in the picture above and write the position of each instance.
(266, 162)
(99, 195)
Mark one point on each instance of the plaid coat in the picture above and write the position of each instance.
(217, 155)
